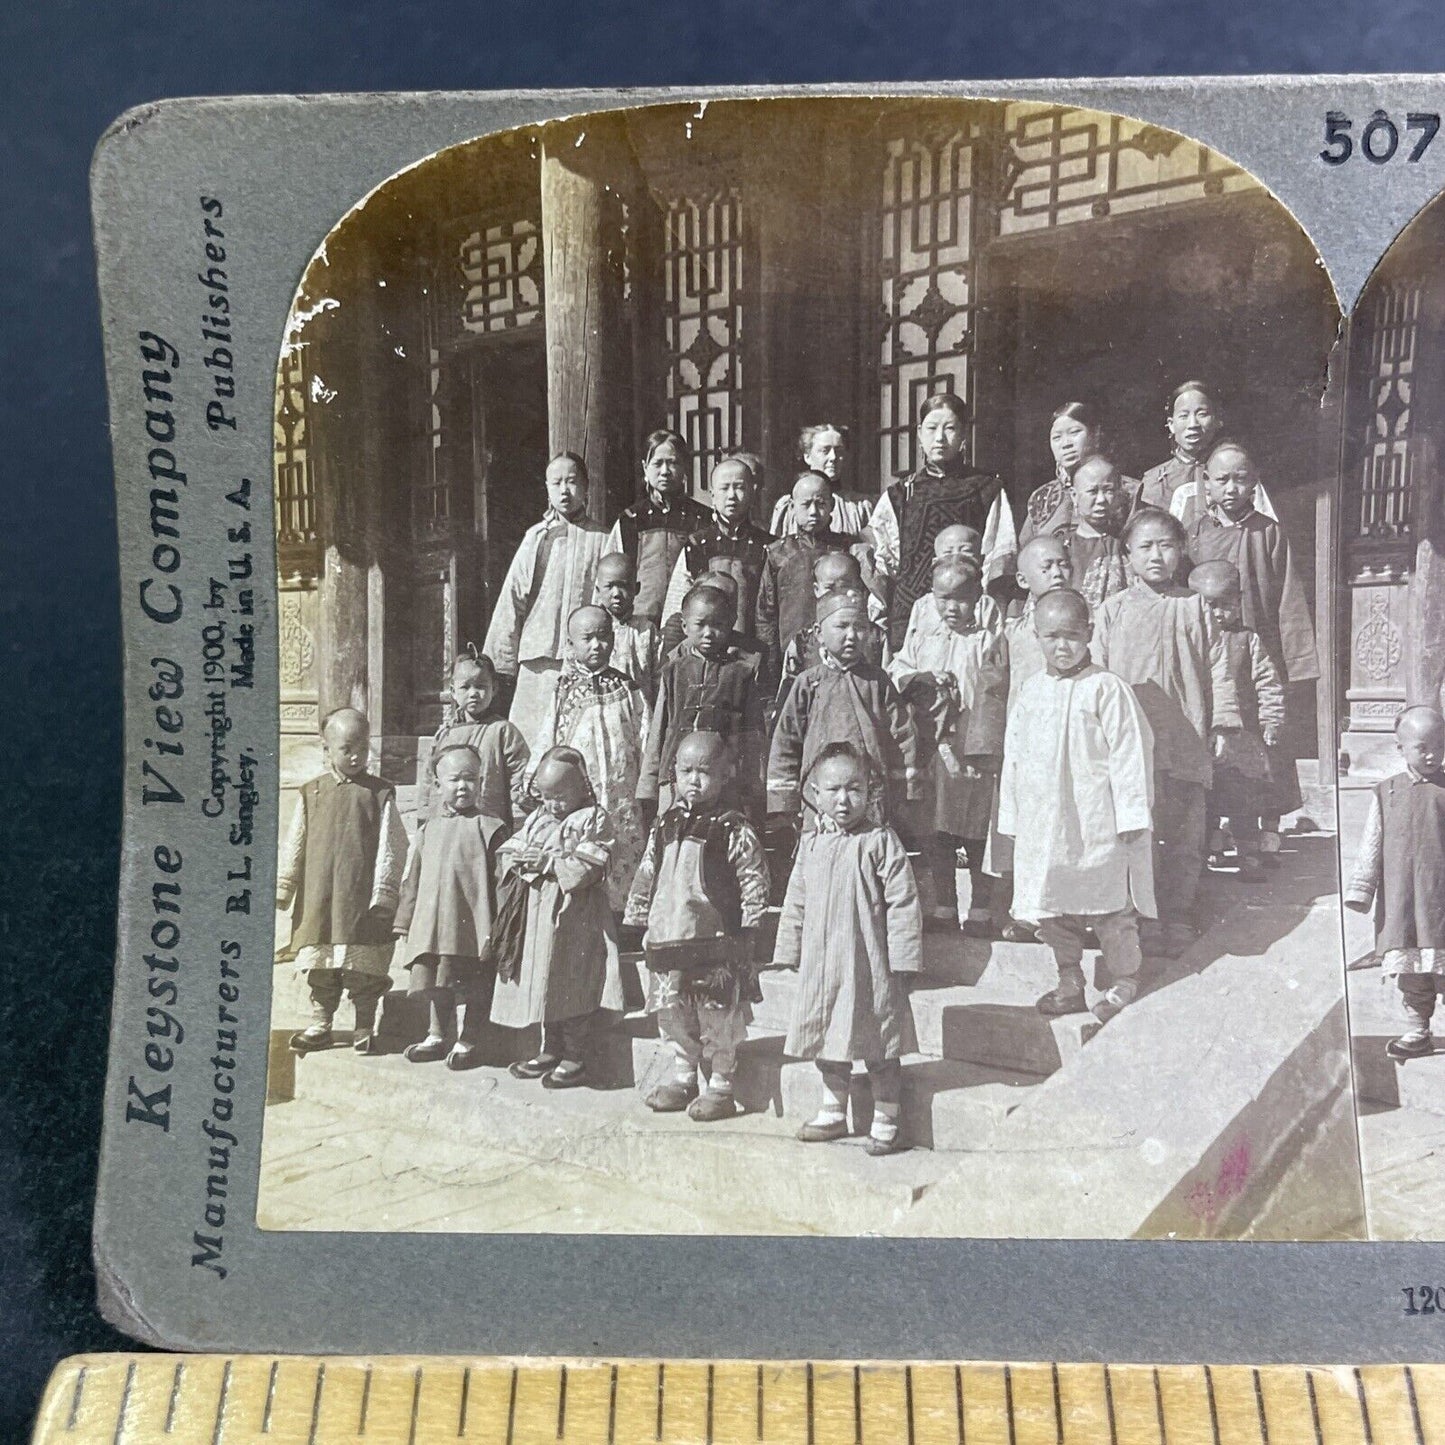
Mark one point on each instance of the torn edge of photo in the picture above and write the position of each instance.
(780, 722)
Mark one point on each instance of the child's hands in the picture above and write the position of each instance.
(1356, 904)
(1132, 835)
(382, 916)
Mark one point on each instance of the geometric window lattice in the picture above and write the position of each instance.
(502, 267)
(295, 483)
(1079, 165)
(1387, 477)
(926, 274)
(702, 267)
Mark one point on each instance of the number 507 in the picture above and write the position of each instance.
(1379, 139)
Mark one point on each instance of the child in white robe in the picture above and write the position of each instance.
(954, 673)
(852, 927)
(551, 574)
(1075, 796)
(601, 713)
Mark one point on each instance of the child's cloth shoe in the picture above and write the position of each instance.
(878, 1145)
(671, 1098)
(709, 1107)
(463, 1056)
(309, 1040)
(565, 1076)
(1015, 932)
(814, 1132)
(1115, 1000)
(1060, 1001)
(1410, 1046)
(428, 1051)
(533, 1068)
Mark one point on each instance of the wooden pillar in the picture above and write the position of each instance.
(803, 206)
(1329, 556)
(1425, 653)
(582, 261)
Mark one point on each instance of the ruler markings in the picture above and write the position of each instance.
(124, 1403)
(75, 1399)
(270, 1397)
(1314, 1407)
(316, 1403)
(1414, 1405)
(131, 1398)
(221, 1403)
(175, 1395)
(1364, 1407)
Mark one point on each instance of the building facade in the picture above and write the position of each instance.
(736, 272)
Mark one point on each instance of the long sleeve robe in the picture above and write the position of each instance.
(852, 926)
(1273, 597)
(1077, 772)
(1159, 643)
(977, 663)
(830, 703)
(605, 718)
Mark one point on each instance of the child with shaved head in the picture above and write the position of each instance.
(955, 676)
(1400, 868)
(601, 713)
(341, 866)
(1075, 796)
(832, 572)
(1248, 716)
(566, 967)
(953, 544)
(636, 641)
(700, 892)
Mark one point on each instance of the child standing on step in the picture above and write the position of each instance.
(447, 908)
(340, 865)
(568, 967)
(832, 572)
(954, 674)
(852, 927)
(1075, 797)
(1400, 868)
(601, 713)
(636, 642)
(701, 891)
(473, 722)
(1155, 635)
(1248, 716)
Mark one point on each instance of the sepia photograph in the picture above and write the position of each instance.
(1392, 741)
(814, 642)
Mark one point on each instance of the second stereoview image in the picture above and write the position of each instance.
(809, 688)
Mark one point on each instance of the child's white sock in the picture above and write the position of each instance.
(835, 1100)
(885, 1123)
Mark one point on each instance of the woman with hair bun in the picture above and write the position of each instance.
(1076, 435)
(945, 491)
(822, 448)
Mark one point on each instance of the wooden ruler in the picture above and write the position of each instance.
(223, 1400)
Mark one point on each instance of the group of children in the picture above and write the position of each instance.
(705, 717)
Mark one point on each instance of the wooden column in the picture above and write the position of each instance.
(803, 205)
(1329, 556)
(582, 262)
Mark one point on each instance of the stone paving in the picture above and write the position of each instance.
(1235, 1053)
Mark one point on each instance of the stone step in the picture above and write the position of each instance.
(1413, 1084)
(752, 1162)
(997, 1028)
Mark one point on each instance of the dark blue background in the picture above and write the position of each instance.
(70, 68)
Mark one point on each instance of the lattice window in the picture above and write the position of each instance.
(295, 479)
(1080, 165)
(926, 273)
(502, 267)
(1387, 476)
(702, 263)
